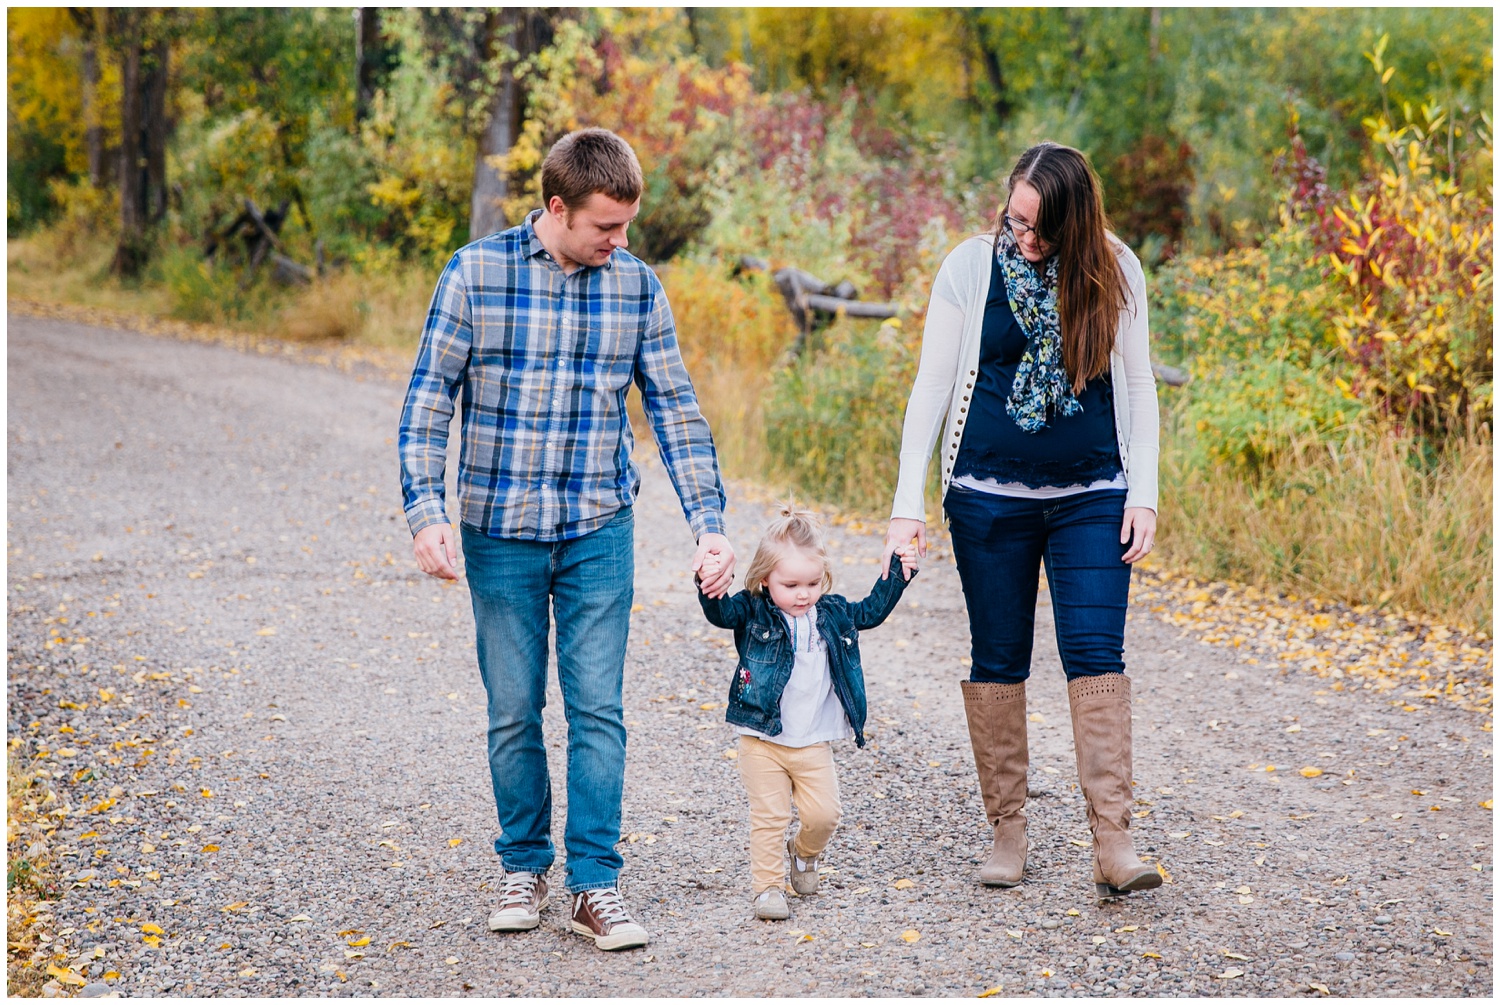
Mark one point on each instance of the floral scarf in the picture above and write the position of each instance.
(1041, 383)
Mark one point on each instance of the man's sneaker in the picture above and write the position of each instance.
(521, 903)
(804, 871)
(770, 905)
(601, 916)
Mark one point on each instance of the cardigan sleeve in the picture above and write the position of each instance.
(931, 392)
(1140, 387)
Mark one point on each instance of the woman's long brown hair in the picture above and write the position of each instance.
(1091, 289)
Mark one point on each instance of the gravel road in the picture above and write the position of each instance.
(269, 727)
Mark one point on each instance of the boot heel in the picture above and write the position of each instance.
(1108, 894)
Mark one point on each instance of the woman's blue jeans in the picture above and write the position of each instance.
(999, 542)
(588, 583)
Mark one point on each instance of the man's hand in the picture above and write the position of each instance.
(436, 549)
(1140, 524)
(897, 536)
(714, 548)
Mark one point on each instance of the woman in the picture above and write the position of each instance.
(1035, 350)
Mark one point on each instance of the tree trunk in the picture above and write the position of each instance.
(93, 132)
(491, 187)
(143, 136)
(989, 55)
(526, 30)
(369, 56)
(155, 65)
(130, 253)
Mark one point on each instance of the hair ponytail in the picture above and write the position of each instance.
(795, 530)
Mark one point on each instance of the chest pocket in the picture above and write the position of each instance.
(765, 644)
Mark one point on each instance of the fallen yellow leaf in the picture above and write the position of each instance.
(911, 935)
(451, 960)
(1151, 956)
(238, 905)
(1310, 772)
(248, 972)
(210, 848)
(357, 943)
(151, 929)
(992, 992)
(397, 945)
(65, 976)
(1072, 912)
(266, 631)
(1014, 933)
(351, 931)
(1320, 988)
(1128, 928)
(1228, 974)
(151, 940)
(1075, 841)
(1235, 956)
(1439, 931)
(904, 884)
(206, 793)
(455, 842)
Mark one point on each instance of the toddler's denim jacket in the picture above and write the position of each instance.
(765, 650)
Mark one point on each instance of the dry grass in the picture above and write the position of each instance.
(732, 332)
(30, 882)
(1363, 521)
(331, 310)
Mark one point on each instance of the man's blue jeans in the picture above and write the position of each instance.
(998, 544)
(589, 583)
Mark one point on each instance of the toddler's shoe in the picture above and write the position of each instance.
(804, 871)
(770, 905)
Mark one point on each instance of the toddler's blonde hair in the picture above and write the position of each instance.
(795, 531)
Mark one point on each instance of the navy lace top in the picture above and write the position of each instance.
(1072, 450)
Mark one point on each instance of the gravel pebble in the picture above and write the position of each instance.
(225, 529)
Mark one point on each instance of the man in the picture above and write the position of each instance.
(544, 327)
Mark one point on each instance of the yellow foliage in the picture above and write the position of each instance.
(44, 80)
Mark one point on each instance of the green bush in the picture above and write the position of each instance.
(833, 418)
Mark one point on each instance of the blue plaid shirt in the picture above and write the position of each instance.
(545, 360)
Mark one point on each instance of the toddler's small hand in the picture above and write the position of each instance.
(908, 560)
(709, 569)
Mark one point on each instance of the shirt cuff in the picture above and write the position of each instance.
(424, 514)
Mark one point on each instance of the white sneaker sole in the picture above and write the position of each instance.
(501, 922)
(631, 938)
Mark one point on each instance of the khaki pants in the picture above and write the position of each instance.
(775, 777)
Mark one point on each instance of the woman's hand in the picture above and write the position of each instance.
(897, 536)
(1140, 525)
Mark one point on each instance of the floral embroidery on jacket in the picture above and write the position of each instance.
(1041, 383)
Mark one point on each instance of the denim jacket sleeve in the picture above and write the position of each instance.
(728, 611)
(875, 608)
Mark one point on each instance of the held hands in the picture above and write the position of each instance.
(908, 561)
(902, 535)
(436, 550)
(714, 564)
(1140, 525)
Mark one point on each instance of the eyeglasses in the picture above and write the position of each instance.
(1020, 229)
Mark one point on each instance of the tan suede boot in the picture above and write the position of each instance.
(1101, 741)
(997, 732)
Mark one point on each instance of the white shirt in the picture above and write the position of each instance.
(810, 709)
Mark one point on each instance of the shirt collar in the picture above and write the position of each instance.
(535, 248)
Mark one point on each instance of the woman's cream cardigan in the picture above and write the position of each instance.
(950, 364)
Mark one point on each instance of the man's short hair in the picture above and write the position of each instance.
(587, 161)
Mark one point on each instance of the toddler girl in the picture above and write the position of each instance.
(797, 688)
